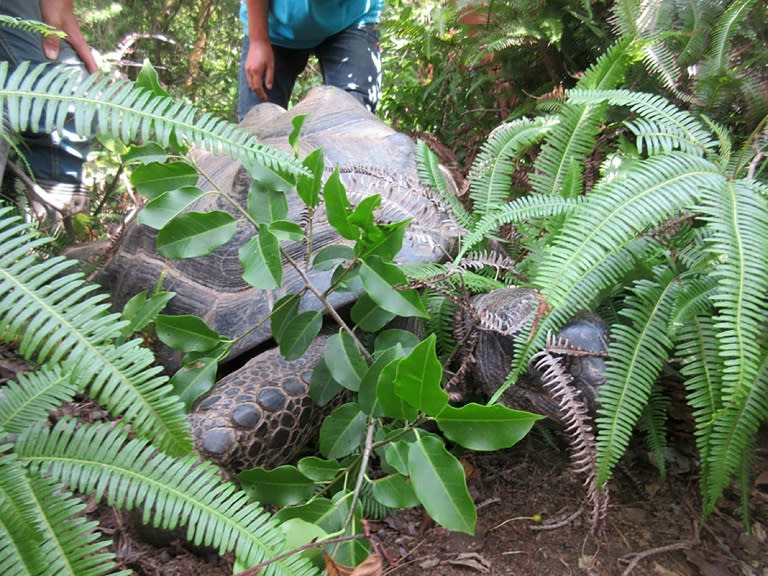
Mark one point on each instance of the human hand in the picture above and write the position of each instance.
(260, 67)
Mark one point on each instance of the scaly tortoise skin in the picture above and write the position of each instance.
(261, 414)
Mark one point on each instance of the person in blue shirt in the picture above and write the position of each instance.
(280, 35)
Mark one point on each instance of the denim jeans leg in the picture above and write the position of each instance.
(351, 60)
(289, 64)
(56, 157)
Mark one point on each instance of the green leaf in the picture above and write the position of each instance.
(337, 207)
(293, 138)
(309, 186)
(186, 333)
(153, 179)
(195, 234)
(342, 431)
(319, 469)
(261, 260)
(299, 532)
(140, 311)
(283, 312)
(386, 243)
(297, 335)
(396, 455)
(329, 256)
(391, 403)
(481, 427)
(145, 154)
(148, 79)
(395, 491)
(366, 396)
(419, 377)
(319, 511)
(265, 205)
(362, 215)
(439, 482)
(395, 337)
(281, 486)
(285, 230)
(368, 315)
(166, 206)
(378, 280)
(191, 382)
(323, 388)
(344, 361)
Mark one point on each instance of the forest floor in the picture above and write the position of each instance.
(653, 525)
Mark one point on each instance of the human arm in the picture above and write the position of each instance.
(260, 60)
(61, 14)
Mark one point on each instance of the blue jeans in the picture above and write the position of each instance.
(349, 60)
(56, 157)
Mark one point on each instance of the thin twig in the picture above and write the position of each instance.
(254, 570)
(638, 556)
(561, 523)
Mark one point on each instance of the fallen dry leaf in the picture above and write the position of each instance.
(372, 566)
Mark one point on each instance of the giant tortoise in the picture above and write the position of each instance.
(261, 413)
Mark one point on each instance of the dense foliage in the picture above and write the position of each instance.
(616, 160)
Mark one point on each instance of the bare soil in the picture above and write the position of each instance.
(528, 501)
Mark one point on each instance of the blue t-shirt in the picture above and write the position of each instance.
(306, 23)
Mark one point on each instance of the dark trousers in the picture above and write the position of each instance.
(349, 60)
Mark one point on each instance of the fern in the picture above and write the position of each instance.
(57, 320)
(491, 172)
(431, 174)
(518, 210)
(41, 97)
(558, 167)
(727, 25)
(30, 26)
(636, 356)
(738, 215)
(102, 461)
(662, 128)
(36, 394)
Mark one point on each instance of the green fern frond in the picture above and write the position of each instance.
(519, 210)
(102, 461)
(698, 20)
(491, 173)
(610, 68)
(70, 546)
(662, 126)
(58, 320)
(738, 215)
(725, 28)
(31, 26)
(428, 169)
(734, 428)
(560, 163)
(599, 242)
(615, 212)
(17, 505)
(42, 95)
(441, 321)
(34, 397)
(637, 353)
(653, 423)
